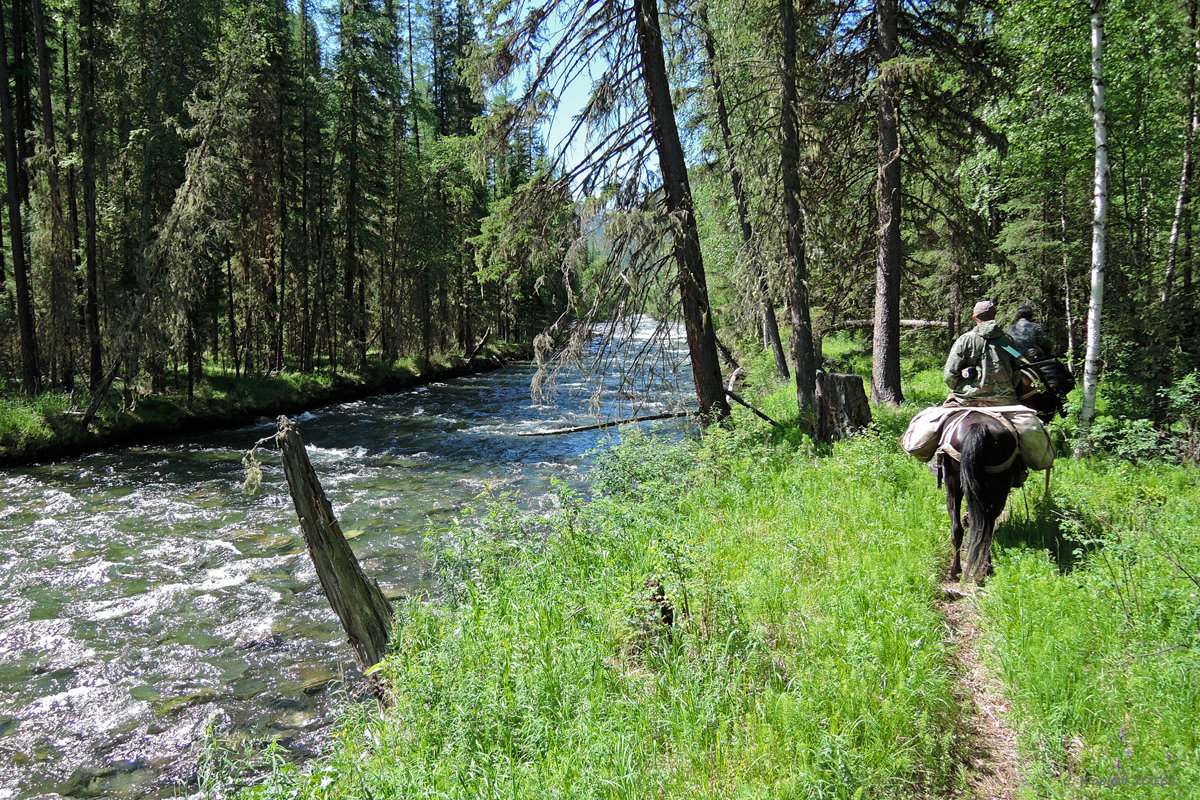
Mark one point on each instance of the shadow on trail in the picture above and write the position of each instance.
(1041, 524)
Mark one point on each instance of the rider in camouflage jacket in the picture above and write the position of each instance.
(1028, 337)
(978, 371)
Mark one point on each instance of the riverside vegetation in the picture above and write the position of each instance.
(50, 423)
(805, 658)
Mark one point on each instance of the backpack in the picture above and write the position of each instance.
(1055, 375)
(1054, 378)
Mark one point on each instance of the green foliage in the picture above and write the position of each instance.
(52, 421)
(1098, 644)
(805, 659)
(24, 424)
(1183, 407)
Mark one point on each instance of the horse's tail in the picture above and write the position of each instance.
(978, 441)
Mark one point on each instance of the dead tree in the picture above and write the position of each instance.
(364, 612)
(842, 406)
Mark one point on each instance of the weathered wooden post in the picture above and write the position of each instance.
(364, 612)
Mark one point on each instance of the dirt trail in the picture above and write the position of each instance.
(990, 760)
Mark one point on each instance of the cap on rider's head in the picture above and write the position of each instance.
(1025, 312)
(984, 310)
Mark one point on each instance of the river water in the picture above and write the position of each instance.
(146, 599)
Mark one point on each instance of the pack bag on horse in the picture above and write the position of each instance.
(1045, 381)
(981, 443)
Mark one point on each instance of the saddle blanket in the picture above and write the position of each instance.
(925, 432)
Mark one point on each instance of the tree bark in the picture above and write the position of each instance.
(87, 144)
(770, 325)
(1091, 364)
(802, 338)
(885, 350)
(693, 290)
(71, 190)
(364, 612)
(610, 424)
(842, 405)
(30, 374)
(1068, 296)
(62, 293)
(849, 324)
(1183, 197)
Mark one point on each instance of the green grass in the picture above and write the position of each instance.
(30, 426)
(806, 659)
(1094, 622)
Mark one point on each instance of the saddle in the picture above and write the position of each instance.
(935, 430)
(954, 429)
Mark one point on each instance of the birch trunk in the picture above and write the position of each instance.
(1091, 364)
(1185, 179)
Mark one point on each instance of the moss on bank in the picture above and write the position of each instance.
(50, 425)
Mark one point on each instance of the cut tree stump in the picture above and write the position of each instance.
(842, 406)
(365, 613)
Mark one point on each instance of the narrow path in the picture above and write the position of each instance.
(990, 760)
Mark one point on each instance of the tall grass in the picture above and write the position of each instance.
(805, 659)
(1094, 622)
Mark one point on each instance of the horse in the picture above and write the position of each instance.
(979, 460)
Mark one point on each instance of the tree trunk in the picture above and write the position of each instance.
(802, 340)
(62, 293)
(1183, 197)
(87, 144)
(365, 613)
(72, 193)
(30, 374)
(1091, 364)
(885, 348)
(1068, 296)
(693, 290)
(842, 405)
(770, 325)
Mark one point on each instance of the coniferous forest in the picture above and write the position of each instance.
(754, 214)
(256, 187)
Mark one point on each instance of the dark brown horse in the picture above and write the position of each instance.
(980, 462)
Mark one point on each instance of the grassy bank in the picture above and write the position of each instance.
(805, 658)
(50, 425)
(1094, 621)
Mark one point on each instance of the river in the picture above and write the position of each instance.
(147, 599)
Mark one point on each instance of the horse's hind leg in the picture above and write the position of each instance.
(954, 506)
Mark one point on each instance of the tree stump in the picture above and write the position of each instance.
(365, 613)
(842, 406)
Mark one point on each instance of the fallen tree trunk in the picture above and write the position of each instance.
(734, 397)
(599, 425)
(486, 335)
(848, 324)
(364, 612)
